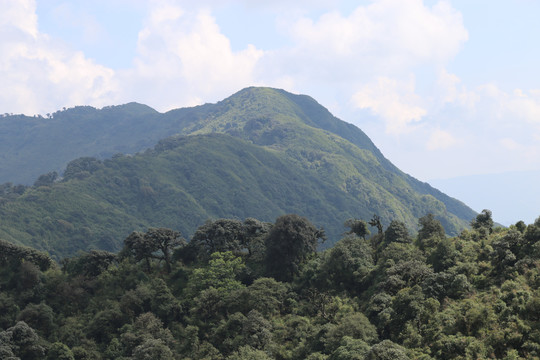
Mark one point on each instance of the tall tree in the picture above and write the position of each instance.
(139, 247)
(431, 232)
(290, 242)
(157, 243)
(483, 221)
(397, 232)
(358, 227)
(429, 226)
(376, 222)
(229, 235)
(219, 235)
(166, 240)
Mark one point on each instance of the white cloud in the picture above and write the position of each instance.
(387, 36)
(39, 75)
(182, 55)
(511, 144)
(183, 59)
(524, 106)
(19, 16)
(528, 152)
(515, 109)
(440, 139)
(395, 102)
(452, 91)
(371, 55)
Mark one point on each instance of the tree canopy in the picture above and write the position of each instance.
(415, 296)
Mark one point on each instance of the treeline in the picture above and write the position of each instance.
(256, 290)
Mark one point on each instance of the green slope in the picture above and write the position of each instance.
(183, 182)
(259, 153)
(31, 146)
(277, 119)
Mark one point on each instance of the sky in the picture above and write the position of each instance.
(446, 89)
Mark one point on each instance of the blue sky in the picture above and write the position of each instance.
(444, 88)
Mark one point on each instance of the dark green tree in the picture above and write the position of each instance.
(387, 350)
(376, 222)
(219, 235)
(532, 239)
(81, 168)
(156, 243)
(350, 349)
(22, 341)
(266, 295)
(521, 226)
(355, 325)
(89, 264)
(13, 255)
(105, 324)
(39, 316)
(46, 179)
(257, 331)
(165, 240)
(248, 353)
(358, 227)
(146, 326)
(348, 264)
(139, 247)
(243, 239)
(8, 310)
(292, 240)
(255, 232)
(397, 232)
(152, 349)
(429, 228)
(483, 220)
(444, 256)
(59, 351)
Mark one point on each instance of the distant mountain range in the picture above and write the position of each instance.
(510, 195)
(260, 153)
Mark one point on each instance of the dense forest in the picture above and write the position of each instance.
(184, 181)
(258, 290)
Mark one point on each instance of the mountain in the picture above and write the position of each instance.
(259, 153)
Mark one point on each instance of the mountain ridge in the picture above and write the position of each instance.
(290, 142)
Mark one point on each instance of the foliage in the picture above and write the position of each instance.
(397, 232)
(358, 227)
(483, 221)
(292, 240)
(155, 243)
(430, 297)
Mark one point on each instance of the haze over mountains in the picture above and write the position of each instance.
(259, 153)
(510, 195)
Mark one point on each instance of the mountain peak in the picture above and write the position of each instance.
(272, 152)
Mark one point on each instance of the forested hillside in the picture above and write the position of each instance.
(32, 146)
(262, 153)
(258, 290)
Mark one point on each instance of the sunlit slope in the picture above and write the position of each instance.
(292, 123)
